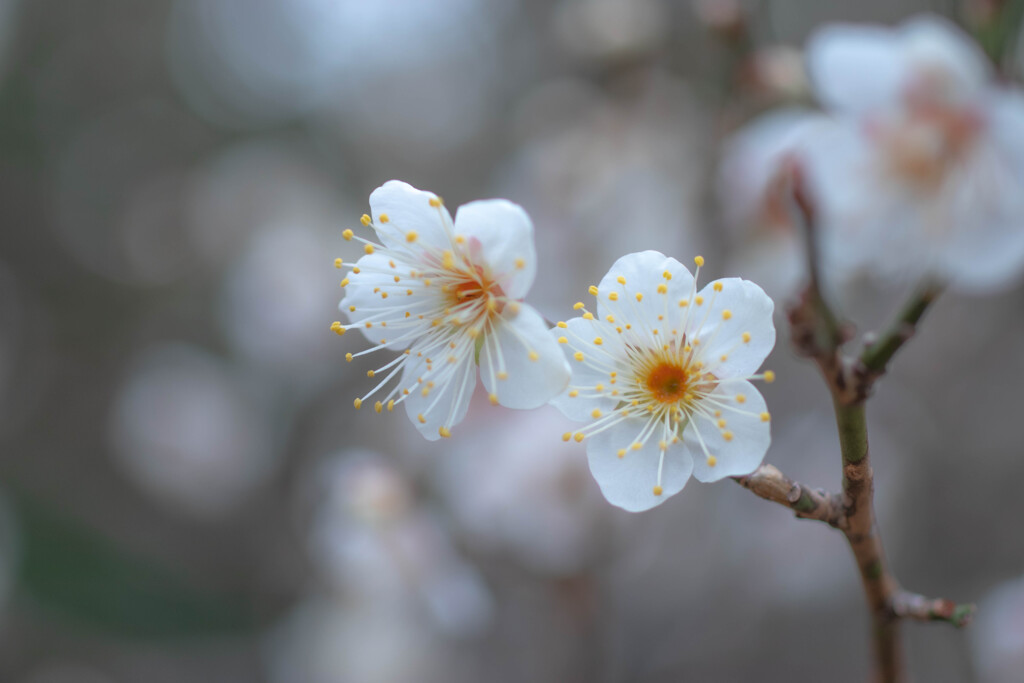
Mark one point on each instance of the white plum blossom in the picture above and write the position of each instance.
(661, 372)
(921, 177)
(448, 295)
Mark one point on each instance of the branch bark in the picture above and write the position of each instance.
(771, 484)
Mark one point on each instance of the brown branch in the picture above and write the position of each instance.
(771, 484)
(906, 605)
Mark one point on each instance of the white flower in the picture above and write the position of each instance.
(922, 177)
(444, 292)
(662, 372)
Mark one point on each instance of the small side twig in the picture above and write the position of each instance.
(875, 358)
(771, 484)
(906, 605)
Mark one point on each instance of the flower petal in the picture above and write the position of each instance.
(446, 402)
(500, 235)
(628, 482)
(399, 210)
(522, 344)
(740, 446)
(643, 274)
(934, 45)
(723, 321)
(592, 372)
(855, 68)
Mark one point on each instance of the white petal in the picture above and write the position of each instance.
(593, 371)
(375, 273)
(510, 342)
(629, 482)
(985, 260)
(720, 322)
(409, 210)
(446, 403)
(751, 435)
(856, 68)
(500, 238)
(643, 272)
(934, 45)
(751, 161)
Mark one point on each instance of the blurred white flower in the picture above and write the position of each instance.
(189, 432)
(662, 371)
(922, 177)
(528, 499)
(997, 634)
(377, 546)
(447, 293)
(754, 193)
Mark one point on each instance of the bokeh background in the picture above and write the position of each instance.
(186, 493)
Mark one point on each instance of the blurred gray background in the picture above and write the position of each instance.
(186, 493)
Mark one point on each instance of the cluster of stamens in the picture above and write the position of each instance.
(659, 376)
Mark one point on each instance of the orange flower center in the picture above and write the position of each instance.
(667, 382)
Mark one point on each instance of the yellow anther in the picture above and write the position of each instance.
(574, 393)
(667, 275)
(613, 296)
(384, 218)
(596, 413)
(699, 260)
(578, 355)
(448, 260)
(598, 387)
(351, 309)
(578, 436)
(344, 283)
(460, 239)
(724, 357)
(578, 305)
(502, 375)
(533, 356)
(637, 446)
(726, 314)
(520, 263)
(422, 419)
(721, 424)
(348, 357)
(717, 286)
(746, 337)
(370, 373)
(683, 303)
(587, 315)
(378, 406)
(727, 436)
(563, 340)
(337, 328)
(769, 376)
(592, 290)
(621, 280)
(493, 398)
(355, 269)
(610, 318)
(662, 288)
(639, 296)
(765, 417)
(368, 248)
(698, 300)
(338, 263)
(444, 432)
(435, 202)
(740, 398)
(411, 236)
(658, 490)
(712, 461)
(426, 282)
(347, 234)
(358, 403)
(562, 324)
(391, 405)
(365, 220)
(492, 304)
(621, 453)
(514, 307)
(397, 279)
(567, 436)
(383, 295)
